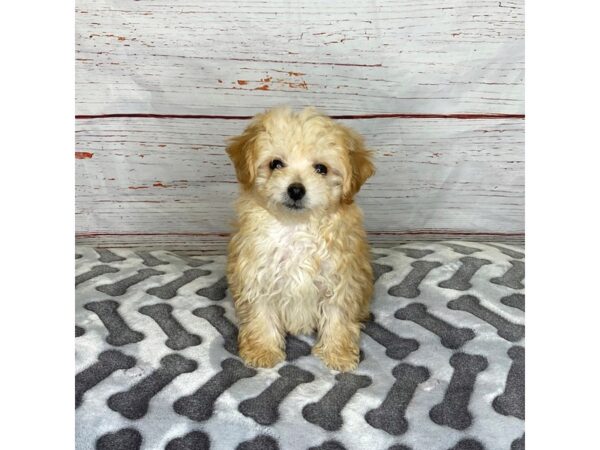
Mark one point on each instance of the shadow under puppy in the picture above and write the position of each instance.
(299, 259)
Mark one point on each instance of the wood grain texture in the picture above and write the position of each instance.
(169, 177)
(236, 58)
(216, 244)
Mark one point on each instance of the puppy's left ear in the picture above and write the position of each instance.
(242, 152)
(361, 164)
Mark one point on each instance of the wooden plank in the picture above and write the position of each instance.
(217, 244)
(236, 58)
(170, 176)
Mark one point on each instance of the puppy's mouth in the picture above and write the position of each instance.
(293, 206)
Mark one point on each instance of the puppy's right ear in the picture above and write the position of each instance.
(242, 152)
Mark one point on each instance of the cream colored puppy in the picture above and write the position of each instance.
(299, 261)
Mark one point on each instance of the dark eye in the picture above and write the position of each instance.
(320, 168)
(276, 164)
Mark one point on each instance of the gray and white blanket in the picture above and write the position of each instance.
(442, 360)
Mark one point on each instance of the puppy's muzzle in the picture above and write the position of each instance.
(296, 191)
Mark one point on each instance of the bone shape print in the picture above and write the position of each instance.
(468, 444)
(460, 281)
(450, 336)
(195, 440)
(462, 249)
(120, 287)
(264, 409)
(380, 269)
(390, 415)
(215, 315)
(108, 362)
(295, 348)
(178, 337)
(106, 256)
(512, 401)
(326, 413)
(513, 278)
(260, 442)
(409, 287)
(133, 404)
(169, 290)
(199, 405)
(507, 330)
(94, 272)
(396, 347)
(216, 292)
(329, 445)
(515, 300)
(509, 252)
(414, 253)
(148, 259)
(124, 439)
(193, 262)
(119, 332)
(453, 411)
(518, 444)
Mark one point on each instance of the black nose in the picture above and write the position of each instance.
(296, 191)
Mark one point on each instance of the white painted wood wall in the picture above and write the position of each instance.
(436, 87)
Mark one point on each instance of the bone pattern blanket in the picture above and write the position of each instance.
(442, 358)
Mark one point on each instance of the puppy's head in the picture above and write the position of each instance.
(300, 163)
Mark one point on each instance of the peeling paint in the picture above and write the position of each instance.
(83, 155)
(301, 85)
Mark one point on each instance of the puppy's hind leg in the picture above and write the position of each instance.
(261, 340)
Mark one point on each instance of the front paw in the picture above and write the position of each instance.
(341, 358)
(256, 356)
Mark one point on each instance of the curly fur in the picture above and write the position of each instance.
(305, 269)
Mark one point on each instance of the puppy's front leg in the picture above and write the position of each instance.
(338, 339)
(261, 341)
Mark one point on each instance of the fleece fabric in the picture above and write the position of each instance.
(442, 358)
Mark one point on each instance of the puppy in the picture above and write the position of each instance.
(299, 261)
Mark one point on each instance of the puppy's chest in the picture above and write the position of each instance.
(299, 261)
